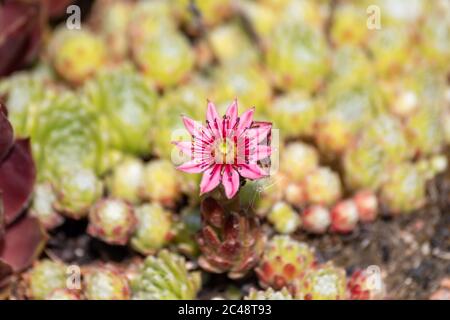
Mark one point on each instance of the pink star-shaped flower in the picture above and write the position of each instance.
(226, 148)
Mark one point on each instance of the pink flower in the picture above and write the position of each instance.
(225, 149)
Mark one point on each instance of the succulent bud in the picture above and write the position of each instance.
(387, 132)
(316, 219)
(284, 218)
(324, 282)
(298, 159)
(42, 206)
(344, 216)
(165, 277)
(114, 19)
(424, 130)
(283, 261)
(438, 164)
(44, 277)
(126, 180)
(323, 186)
(346, 25)
(268, 294)
(367, 204)
(333, 133)
(295, 194)
(404, 103)
(63, 294)
(77, 191)
(295, 113)
(363, 285)
(404, 189)
(166, 58)
(105, 283)
(230, 241)
(243, 52)
(112, 220)
(153, 231)
(364, 166)
(161, 182)
(76, 54)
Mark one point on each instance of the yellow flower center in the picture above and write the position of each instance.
(224, 151)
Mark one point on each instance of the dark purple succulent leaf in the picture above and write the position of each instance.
(6, 133)
(2, 220)
(23, 243)
(21, 28)
(57, 8)
(6, 273)
(17, 177)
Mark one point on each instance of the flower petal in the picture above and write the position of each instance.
(184, 146)
(194, 166)
(213, 120)
(258, 134)
(210, 179)
(261, 152)
(230, 181)
(251, 171)
(245, 121)
(193, 127)
(232, 114)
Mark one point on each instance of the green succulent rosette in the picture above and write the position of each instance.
(26, 94)
(165, 277)
(44, 277)
(124, 104)
(66, 136)
(166, 59)
(153, 231)
(297, 57)
(76, 55)
(350, 108)
(404, 190)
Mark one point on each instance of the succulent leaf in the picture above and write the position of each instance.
(165, 277)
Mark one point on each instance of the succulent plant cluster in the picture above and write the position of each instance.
(86, 134)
